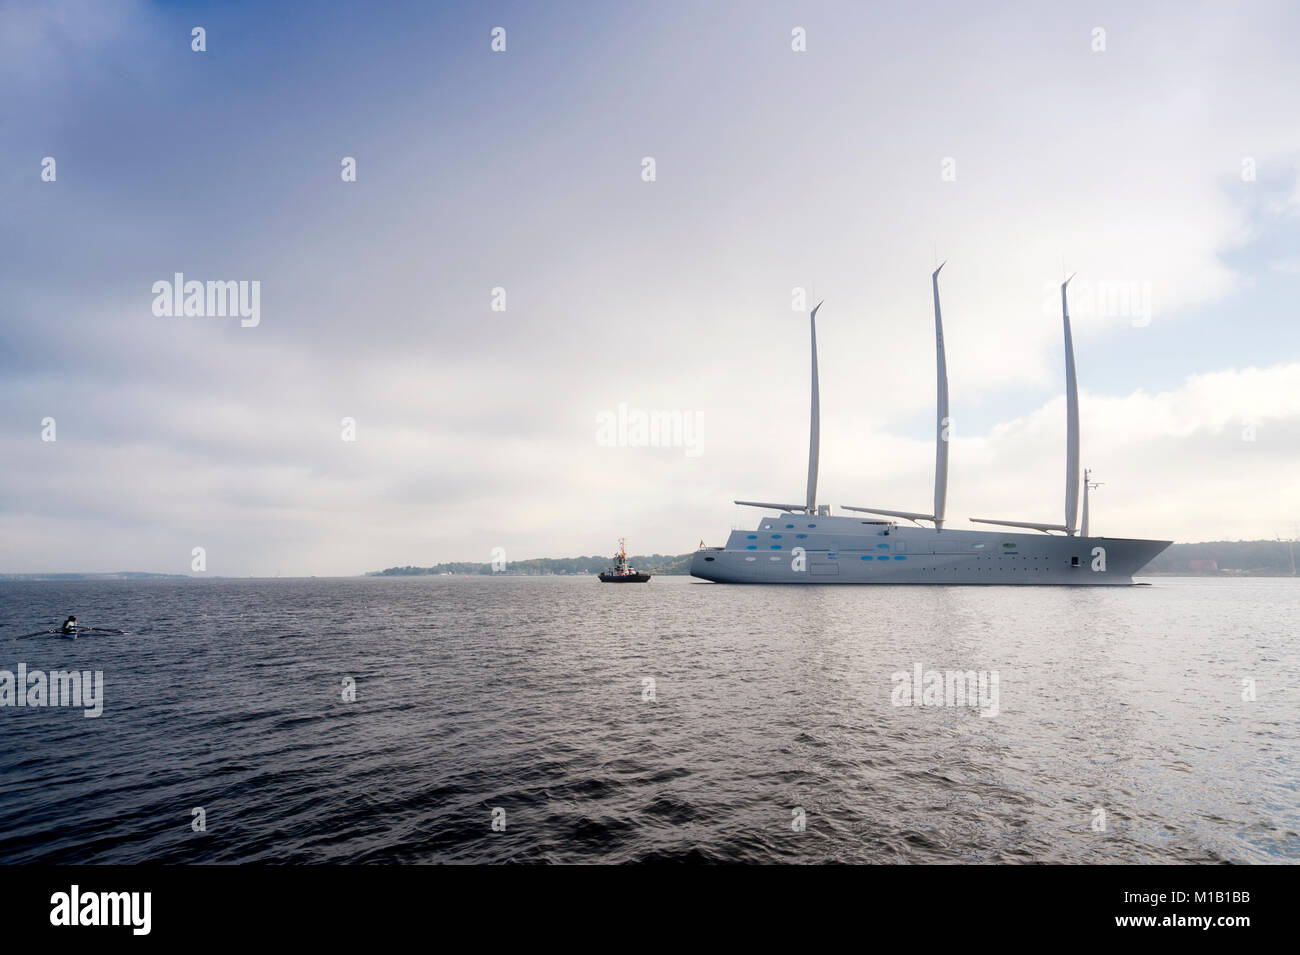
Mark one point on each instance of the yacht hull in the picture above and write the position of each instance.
(796, 549)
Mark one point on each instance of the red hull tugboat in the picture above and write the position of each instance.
(621, 573)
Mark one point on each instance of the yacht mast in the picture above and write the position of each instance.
(1071, 439)
(814, 424)
(941, 405)
(941, 426)
(814, 436)
(1071, 421)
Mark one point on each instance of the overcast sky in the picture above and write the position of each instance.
(1159, 156)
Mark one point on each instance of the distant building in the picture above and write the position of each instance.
(1202, 566)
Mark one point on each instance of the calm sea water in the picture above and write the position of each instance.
(1116, 707)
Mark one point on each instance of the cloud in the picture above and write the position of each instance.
(776, 170)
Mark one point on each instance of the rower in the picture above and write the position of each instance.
(70, 625)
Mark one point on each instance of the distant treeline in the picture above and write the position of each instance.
(1261, 558)
(659, 564)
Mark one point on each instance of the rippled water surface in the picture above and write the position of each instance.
(528, 695)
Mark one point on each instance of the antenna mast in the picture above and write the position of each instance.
(1088, 484)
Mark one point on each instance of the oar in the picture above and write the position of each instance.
(70, 633)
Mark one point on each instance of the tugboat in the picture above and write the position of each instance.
(621, 573)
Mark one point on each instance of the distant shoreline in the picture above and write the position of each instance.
(1260, 558)
(1213, 559)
